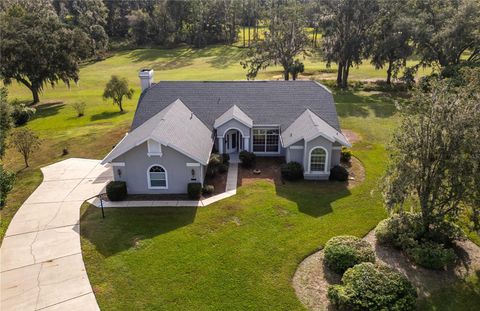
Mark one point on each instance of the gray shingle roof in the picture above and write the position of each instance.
(175, 126)
(309, 126)
(266, 102)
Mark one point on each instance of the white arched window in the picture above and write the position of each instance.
(318, 159)
(157, 177)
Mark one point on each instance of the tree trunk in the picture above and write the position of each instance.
(286, 74)
(344, 81)
(339, 74)
(25, 159)
(36, 98)
(389, 72)
(249, 26)
(120, 106)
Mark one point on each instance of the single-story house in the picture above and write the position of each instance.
(177, 124)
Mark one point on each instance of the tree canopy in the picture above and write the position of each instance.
(37, 49)
(116, 89)
(284, 40)
(434, 152)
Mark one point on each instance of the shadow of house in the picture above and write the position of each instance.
(313, 198)
(114, 233)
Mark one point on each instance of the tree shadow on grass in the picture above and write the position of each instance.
(350, 104)
(48, 110)
(131, 228)
(106, 115)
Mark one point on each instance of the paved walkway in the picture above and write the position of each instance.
(40, 259)
(231, 190)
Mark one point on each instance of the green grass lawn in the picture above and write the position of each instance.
(237, 254)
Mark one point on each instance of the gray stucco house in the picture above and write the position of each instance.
(177, 124)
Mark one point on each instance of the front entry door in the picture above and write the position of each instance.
(231, 142)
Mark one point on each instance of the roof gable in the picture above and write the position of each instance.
(309, 126)
(234, 113)
(176, 127)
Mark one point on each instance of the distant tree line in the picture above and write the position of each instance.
(44, 41)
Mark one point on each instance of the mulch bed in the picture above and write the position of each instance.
(312, 278)
(219, 182)
(269, 167)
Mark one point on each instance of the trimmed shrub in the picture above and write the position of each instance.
(213, 163)
(79, 108)
(345, 251)
(432, 255)
(7, 180)
(21, 114)
(338, 173)
(222, 168)
(116, 190)
(225, 158)
(292, 171)
(346, 155)
(247, 158)
(371, 287)
(427, 249)
(194, 190)
(400, 230)
(208, 189)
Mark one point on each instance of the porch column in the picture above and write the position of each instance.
(246, 143)
(220, 145)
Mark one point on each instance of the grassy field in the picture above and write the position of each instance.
(238, 254)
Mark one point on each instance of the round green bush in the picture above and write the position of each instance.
(208, 189)
(346, 155)
(222, 168)
(338, 173)
(400, 230)
(225, 158)
(292, 171)
(247, 158)
(371, 287)
(116, 190)
(345, 251)
(432, 255)
(194, 190)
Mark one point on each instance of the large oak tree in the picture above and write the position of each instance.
(36, 48)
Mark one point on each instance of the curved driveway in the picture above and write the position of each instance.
(40, 259)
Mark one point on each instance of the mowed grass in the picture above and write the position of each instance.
(238, 254)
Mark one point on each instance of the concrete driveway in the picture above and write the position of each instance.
(40, 258)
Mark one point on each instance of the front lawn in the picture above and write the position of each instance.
(237, 254)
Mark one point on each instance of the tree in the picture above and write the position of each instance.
(446, 30)
(391, 38)
(7, 180)
(25, 141)
(296, 68)
(346, 26)
(37, 48)
(5, 119)
(116, 89)
(284, 40)
(434, 153)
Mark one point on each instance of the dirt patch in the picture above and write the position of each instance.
(356, 172)
(312, 278)
(352, 136)
(269, 170)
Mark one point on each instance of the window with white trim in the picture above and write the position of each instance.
(157, 177)
(266, 140)
(318, 158)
